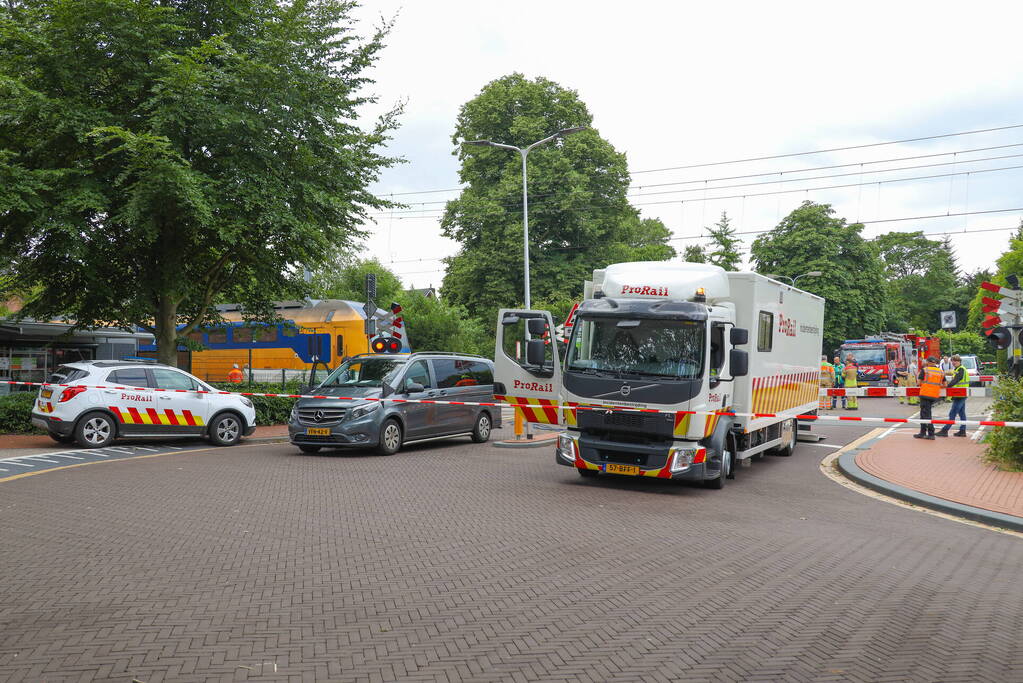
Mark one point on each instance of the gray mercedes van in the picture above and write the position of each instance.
(354, 419)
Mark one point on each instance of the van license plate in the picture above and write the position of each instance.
(615, 468)
(47, 393)
(318, 431)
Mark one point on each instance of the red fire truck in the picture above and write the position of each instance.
(874, 353)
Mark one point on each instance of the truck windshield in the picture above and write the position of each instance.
(662, 348)
(866, 356)
(365, 372)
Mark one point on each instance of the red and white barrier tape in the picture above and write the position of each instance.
(605, 408)
(881, 392)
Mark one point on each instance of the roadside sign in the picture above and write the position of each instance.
(371, 286)
(948, 320)
(371, 327)
(369, 308)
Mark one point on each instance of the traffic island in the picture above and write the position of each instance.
(947, 474)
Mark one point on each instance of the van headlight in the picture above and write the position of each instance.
(566, 447)
(294, 412)
(363, 411)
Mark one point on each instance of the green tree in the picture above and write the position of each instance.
(725, 249)
(348, 282)
(157, 156)
(579, 216)
(852, 275)
(922, 278)
(694, 253)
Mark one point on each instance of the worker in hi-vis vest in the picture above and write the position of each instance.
(827, 382)
(849, 374)
(932, 379)
(959, 380)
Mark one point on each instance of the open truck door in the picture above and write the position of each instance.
(527, 369)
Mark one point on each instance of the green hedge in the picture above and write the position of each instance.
(1005, 444)
(16, 413)
(269, 411)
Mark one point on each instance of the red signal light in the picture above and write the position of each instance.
(385, 345)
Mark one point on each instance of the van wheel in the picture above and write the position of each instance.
(225, 430)
(390, 438)
(718, 482)
(95, 430)
(308, 449)
(482, 431)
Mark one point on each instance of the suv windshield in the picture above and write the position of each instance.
(365, 372)
(663, 348)
(969, 362)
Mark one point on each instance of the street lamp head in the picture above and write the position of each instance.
(569, 131)
(479, 143)
(812, 273)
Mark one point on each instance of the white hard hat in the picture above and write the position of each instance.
(235, 366)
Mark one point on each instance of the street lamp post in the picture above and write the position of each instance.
(524, 153)
(793, 281)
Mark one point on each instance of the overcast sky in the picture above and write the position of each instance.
(677, 84)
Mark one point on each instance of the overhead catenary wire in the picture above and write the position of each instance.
(436, 213)
(783, 156)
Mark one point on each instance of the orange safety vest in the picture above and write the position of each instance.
(235, 376)
(931, 386)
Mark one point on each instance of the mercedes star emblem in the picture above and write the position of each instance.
(318, 415)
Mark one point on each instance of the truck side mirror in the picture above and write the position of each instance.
(535, 352)
(509, 319)
(738, 362)
(536, 326)
(738, 336)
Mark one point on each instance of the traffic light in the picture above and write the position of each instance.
(385, 345)
(1000, 338)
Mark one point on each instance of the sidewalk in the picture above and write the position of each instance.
(947, 474)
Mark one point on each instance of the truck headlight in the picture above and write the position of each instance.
(566, 447)
(363, 411)
(683, 459)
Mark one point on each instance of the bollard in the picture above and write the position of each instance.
(518, 423)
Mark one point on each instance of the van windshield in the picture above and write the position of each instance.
(969, 362)
(365, 372)
(661, 348)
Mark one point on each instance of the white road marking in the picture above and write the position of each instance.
(40, 459)
(820, 445)
(145, 448)
(118, 449)
(100, 454)
(19, 464)
(64, 455)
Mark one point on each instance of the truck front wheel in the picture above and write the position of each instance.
(718, 482)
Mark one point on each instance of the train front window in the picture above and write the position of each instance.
(365, 372)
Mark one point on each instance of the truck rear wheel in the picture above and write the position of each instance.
(789, 447)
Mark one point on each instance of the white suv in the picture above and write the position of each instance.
(128, 406)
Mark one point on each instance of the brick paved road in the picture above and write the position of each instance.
(452, 561)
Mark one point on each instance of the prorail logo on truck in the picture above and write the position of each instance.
(534, 386)
(645, 290)
(786, 326)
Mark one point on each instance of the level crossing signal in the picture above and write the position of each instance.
(385, 345)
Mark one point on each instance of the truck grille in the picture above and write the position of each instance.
(321, 416)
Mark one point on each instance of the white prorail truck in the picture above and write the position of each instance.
(683, 339)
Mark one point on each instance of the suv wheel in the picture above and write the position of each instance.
(95, 430)
(225, 430)
(390, 438)
(482, 431)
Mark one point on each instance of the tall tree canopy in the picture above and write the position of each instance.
(579, 215)
(852, 275)
(155, 154)
(923, 279)
(725, 248)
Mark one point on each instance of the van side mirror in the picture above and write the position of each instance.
(414, 387)
(738, 336)
(535, 352)
(536, 326)
(738, 363)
